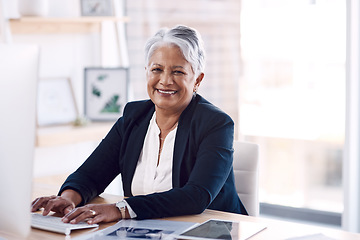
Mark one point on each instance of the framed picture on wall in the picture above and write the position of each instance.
(97, 8)
(106, 93)
(55, 102)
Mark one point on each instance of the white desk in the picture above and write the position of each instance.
(275, 229)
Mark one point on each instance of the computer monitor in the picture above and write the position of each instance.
(18, 84)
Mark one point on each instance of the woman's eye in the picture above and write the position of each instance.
(179, 73)
(156, 70)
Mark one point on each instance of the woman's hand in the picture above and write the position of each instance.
(63, 204)
(56, 204)
(93, 213)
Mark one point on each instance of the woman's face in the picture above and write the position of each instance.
(171, 80)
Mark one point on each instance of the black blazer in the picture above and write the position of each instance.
(202, 175)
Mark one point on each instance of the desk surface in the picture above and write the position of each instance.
(275, 229)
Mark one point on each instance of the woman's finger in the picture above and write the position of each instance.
(57, 204)
(84, 216)
(40, 203)
(35, 205)
(68, 209)
(79, 214)
(96, 219)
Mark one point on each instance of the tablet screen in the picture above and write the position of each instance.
(220, 229)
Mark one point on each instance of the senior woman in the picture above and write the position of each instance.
(174, 151)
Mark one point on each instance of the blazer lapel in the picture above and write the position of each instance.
(135, 142)
(181, 141)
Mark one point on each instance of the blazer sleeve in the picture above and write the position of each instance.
(107, 160)
(206, 166)
(99, 169)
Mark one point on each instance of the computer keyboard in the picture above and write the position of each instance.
(54, 224)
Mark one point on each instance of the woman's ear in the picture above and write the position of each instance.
(198, 81)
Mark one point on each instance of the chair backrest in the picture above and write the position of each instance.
(246, 168)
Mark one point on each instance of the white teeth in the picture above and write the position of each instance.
(166, 92)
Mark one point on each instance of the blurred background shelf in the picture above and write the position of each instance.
(69, 134)
(48, 25)
(90, 41)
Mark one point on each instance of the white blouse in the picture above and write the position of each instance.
(150, 177)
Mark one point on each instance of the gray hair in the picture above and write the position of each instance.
(187, 39)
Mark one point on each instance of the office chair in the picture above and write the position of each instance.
(246, 168)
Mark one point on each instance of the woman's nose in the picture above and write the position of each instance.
(166, 78)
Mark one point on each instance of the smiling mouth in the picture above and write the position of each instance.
(166, 92)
